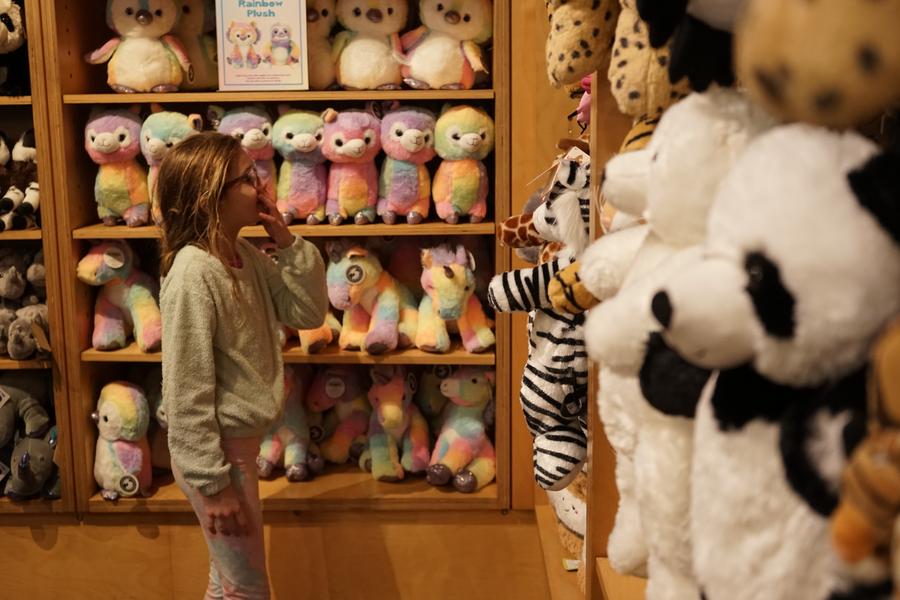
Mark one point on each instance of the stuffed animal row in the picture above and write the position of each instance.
(20, 202)
(23, 308)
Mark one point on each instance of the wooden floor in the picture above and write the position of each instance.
(343, 556)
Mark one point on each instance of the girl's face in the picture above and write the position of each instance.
(240, 198)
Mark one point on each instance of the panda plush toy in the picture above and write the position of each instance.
(799, 272)
(14, 73)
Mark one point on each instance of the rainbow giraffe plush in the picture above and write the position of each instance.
(127, 301)
(448, 278)
(463, 452)
(398, 433)
(380, 314)
(340, 388)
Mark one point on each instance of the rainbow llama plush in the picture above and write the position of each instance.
(463, 452)
(352, 141)
(127, 301)
(464, 137)
(407, 136)
(448, 278)
(122, 459)
(161, 132)
(253, 126)
(303, 179)
(339, 389)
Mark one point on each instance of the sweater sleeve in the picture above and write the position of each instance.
(297, 284)
(189, 386)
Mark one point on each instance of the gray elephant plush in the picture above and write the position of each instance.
(31, 466)
(26, 395)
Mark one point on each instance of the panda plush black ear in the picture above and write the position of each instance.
(662, 18)
(877, 188)
(702, 54)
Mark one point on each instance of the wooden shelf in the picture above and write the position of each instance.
(563, 583)
(15, 100)
(8, 364)
(103, 232)
(619, 587)
(298, 96)
(21, 234)
(332, 356)
(36, 506)
(339, 488)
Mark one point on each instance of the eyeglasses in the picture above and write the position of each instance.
(250, 177)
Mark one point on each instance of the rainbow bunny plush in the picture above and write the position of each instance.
(288, 441)
(303, 179)
(398, 433)
(127, 301)
(320, 19)
(122, 459)
(253, 126)
(281, 49)
(197, 22)
(243, 37)
(404, 189)
(464, 137)
(448, 278)
(112, 140)
(444, 52)
(352, 141)
(145, 58)
(339, 389)
(380, 314)
(161, 132)
(366, 53)
(463, 452)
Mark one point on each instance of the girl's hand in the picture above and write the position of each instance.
(273, 222)
(224, 513)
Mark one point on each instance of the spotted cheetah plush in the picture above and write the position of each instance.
(581, 34)
(829, 62)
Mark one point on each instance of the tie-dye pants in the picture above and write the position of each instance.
(237, 564)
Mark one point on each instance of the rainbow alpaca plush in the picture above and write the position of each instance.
(464, 137)
(127, 302)
(122, 459)
(380, 314)
(243, 36)
(339, 389)
(352, 141)
(407, 136)
(444, 52)
(281, 49)
(145, 58)
(161, 132)
(303, 179)
(396, 424)
(463, 452)
(288, 442)
(253, 126)
(112, 140)
(320, 19)
(197, 22)
(367, 53)
(448, 278)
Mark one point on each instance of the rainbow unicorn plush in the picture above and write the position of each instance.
(448, 278)
(463, 452)
(127, 301)
(379, 312)
(339, 389)
(396, 425)
(122, 458)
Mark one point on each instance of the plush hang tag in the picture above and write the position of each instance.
(40, 337)
(571, 564)
(4, 471)
(4, 397)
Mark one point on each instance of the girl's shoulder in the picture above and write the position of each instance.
(193, 265)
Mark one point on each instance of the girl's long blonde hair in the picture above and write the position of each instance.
(190, 185)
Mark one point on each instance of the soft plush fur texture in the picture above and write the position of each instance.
(253, 126)
(352, 141)
(145, 57)
(15, 77)
(404, 189)
(367, 53)
(21, 342)
(581, 33)
(429, 399)
(122, 459)
(823, 62)
(444, 52)
(780, 415)
(162, 131)
(112, 140)
(321, 15)
(464, 136)
(340, 390)
(31, 466)
(20, 203)
(27, 398)
(196, 29)
(243, 37)
(303, 179)
(127, 301)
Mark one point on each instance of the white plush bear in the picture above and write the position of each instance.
(671, 183)
(799, 272)
(366, 54)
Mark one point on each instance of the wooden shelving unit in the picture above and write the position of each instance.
(19, 100)
(20, 235)
(74, 89)
(618, 587)
(563, 584)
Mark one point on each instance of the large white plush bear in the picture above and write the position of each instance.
(671, 184)
(800, 270)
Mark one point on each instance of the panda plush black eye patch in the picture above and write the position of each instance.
(7, 22)
(773, 303)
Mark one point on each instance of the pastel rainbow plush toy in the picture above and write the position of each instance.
(464, 137)
(303, 179)
(380, 314)
(197, 22)
(448, 278)
(404, 189)
(253, 126)
(281, 49)
(162, 131)
(127, 301)
(314, 341)
(321, 16)
(122, 459)
(113, 140)
(398, 433)
(339, 389)
(463, 452)
(367, 53)
(352, 141)
(444, 52)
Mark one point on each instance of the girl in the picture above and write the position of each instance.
(223, 382)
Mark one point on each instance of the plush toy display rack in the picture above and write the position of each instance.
(73, 28)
